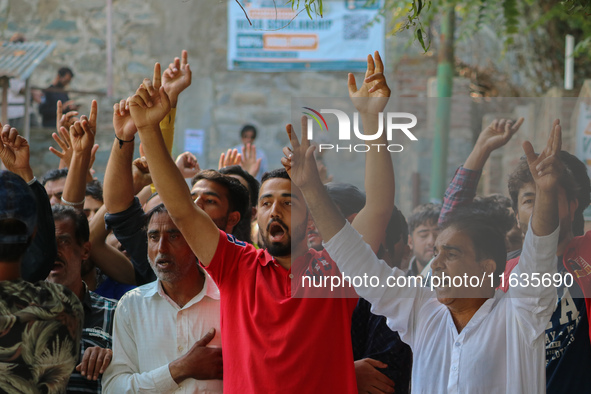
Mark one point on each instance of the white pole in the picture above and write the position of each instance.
(569, 62)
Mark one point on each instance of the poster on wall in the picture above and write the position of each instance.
(280, 39)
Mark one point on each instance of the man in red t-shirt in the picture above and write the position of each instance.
(274, 341)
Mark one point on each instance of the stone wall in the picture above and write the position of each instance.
(219, 101)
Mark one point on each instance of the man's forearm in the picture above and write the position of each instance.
(477, 158)
(545, 215)
(118, 189)
(373, 219)
(75, 187)
(169, 182)
(325, 213)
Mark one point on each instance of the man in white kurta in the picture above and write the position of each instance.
(162, 329)
(466, 338)
(500, 350)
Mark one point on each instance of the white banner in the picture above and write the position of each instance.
(280, 41)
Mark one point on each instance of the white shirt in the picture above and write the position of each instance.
(501, 349)
(150, 331)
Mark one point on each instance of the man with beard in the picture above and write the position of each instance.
(274, 339)
(162, 328)
(73, 247)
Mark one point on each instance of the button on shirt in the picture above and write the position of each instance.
(151, 331)
(501, 349)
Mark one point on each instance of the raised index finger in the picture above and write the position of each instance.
(379, 63)
(293, 139)
(556, 138)
(184, 58)
(305, 140)
(157, 80)
(93, 114)
(370, 66)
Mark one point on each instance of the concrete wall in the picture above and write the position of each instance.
(219, 101)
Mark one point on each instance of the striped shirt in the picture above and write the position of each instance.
(97, 331)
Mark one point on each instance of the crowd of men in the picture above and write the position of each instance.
(144, 284)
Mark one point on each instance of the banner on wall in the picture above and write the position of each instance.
(281, 40)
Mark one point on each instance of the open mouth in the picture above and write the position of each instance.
(164, 264)
(57, 266)
(276, 232)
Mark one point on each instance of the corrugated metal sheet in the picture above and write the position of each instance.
(19, 60)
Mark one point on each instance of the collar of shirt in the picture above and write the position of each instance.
(209, 289)
(300, 261)
(86, 301)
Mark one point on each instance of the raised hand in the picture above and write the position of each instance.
(64, 120)
(14, 152)
(141, 174)
(176, 78)
(123, 124)
(546, 168)
(187, 164)
(250, 163)
(372, 96)
(299, 161)
(150, 103)
(497, 134)
(63, 140)
(230, 158)
(82, 132)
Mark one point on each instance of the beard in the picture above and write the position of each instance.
(173, 273)
(282, 249)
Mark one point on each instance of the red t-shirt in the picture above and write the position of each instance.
(271, 342)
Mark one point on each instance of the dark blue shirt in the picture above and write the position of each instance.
(129, 229)
(372, 338)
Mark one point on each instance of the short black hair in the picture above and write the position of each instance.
(253, 184)
(55, 174)
(521, 176)
(63, 212)
(582, 189)
(63, 71)
(248, 127)
(94, 189)
(423, 214)
(278, 173)
(347, 197)
(160, 208)
(238, 199)
(488, 241)
(397, 228)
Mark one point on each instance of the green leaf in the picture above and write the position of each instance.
(420, 38)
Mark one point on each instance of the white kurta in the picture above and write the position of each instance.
(501, 349)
